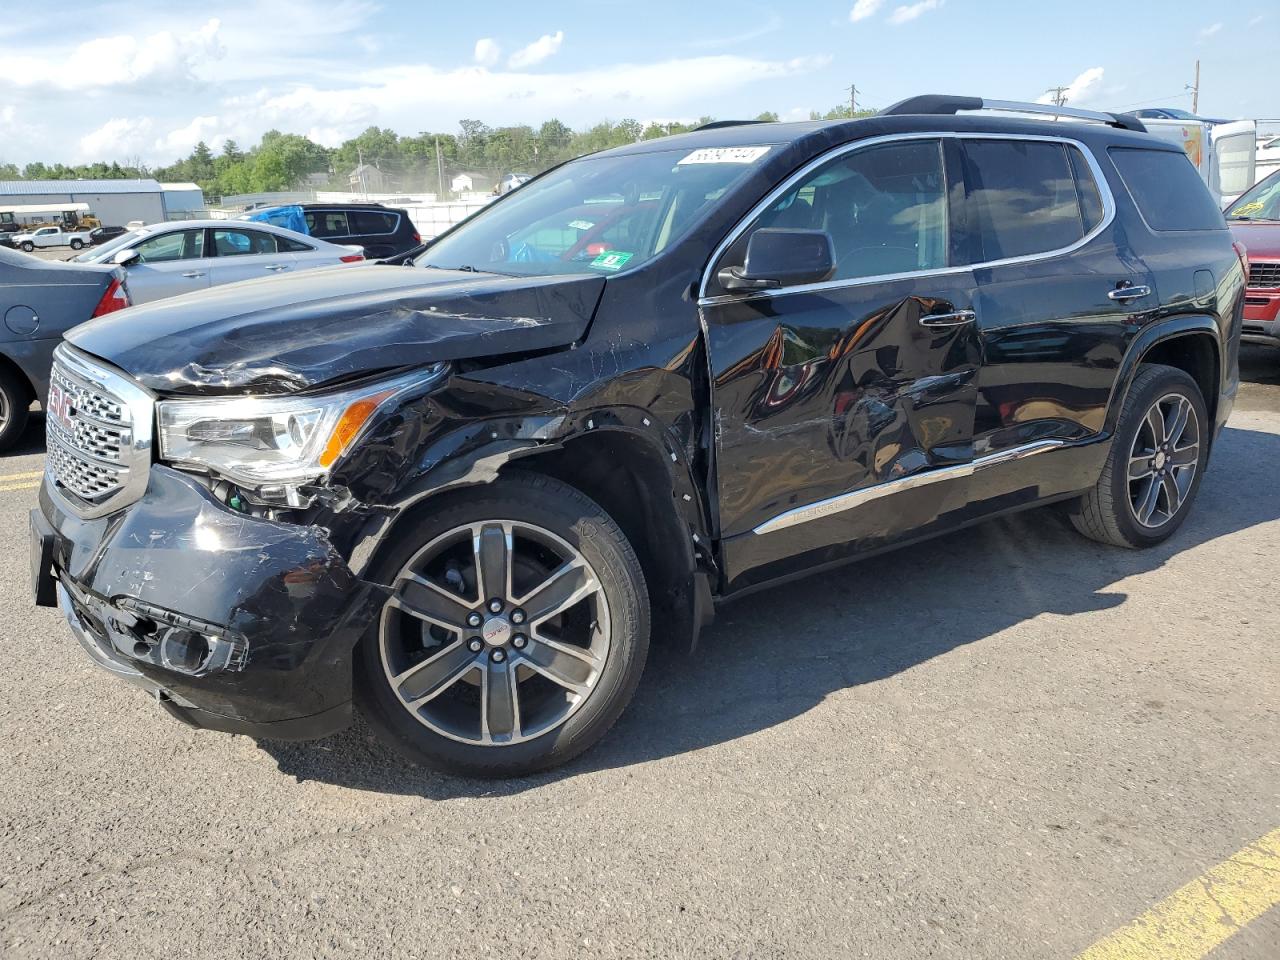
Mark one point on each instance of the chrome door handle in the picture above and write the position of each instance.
(193, 274)
(953, 319)
(1129, 293)
(276, 266)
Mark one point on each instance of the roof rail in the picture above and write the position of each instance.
(939, 104)
(717, 124)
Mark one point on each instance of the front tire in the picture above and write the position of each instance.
(516, 634)
(28, 246)
(15, 406)
(1157, 459)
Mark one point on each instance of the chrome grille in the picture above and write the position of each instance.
(1264, 274)
(98, 435)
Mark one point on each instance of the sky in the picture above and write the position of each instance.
(142, 79)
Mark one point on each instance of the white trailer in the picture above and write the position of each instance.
(1224, 153)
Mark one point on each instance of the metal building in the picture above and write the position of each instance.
(114, 202)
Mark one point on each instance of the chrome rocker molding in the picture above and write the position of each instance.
(848, 501)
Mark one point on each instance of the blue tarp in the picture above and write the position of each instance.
(290, 218)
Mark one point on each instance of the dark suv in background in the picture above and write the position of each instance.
(382, 231)
(465, 492)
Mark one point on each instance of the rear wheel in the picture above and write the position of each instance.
(76, 244)
(516, 633)
(15, 404)
(1156, 461)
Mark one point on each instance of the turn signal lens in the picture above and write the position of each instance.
(349, 425)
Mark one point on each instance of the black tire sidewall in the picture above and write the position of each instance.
(76, 244)
(28, 247)
(1169, 380)
(18, 402)
(583, 524)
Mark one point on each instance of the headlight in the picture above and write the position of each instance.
(253, 441)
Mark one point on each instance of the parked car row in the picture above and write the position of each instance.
(462, 494)
(1255, 222)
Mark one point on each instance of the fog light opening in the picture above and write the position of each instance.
(185, 650)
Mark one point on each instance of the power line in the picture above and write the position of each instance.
(1059, 95)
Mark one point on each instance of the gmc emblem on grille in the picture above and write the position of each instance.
(61, 407)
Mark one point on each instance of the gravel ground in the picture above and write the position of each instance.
(1004, 743)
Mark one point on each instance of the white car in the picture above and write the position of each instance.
(168, 259)
(45, 237)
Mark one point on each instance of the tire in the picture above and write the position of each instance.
(1135, 511)
(76, 244)
(15, 403)
(28, 246)
(441, 710)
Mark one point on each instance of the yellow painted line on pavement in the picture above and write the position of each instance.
(18, 486)
(6, 477)
(1195, 919)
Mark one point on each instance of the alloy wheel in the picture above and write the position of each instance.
(1163, 460)
(496, 633)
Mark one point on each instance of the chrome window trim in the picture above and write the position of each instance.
(857, 498)
(1104, 192)
(135, 456)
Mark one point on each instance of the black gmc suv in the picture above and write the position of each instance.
(465, 491)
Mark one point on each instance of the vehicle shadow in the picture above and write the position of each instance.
(32, 439)
(776, 655)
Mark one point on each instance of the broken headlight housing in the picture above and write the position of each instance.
(273, 444)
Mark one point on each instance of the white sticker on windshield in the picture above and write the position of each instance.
(725, 155)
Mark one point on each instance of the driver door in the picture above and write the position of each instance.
(844, 409)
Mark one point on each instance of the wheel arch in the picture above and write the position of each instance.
(10, 366)
(1191, 344)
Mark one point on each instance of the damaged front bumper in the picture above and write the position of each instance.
(233, 622)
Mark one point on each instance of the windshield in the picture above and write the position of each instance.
(98, 254)
(1260, 202)
(595, 215)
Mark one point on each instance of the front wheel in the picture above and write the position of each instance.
(1157, 458)
(28, 246)
(15, 403)
(76, 244)
(516, 633)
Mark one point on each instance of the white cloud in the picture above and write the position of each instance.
(864, 9)
(181, 140)
(118, 138)
(163, 58)
(545, 46)
(1079, 88)
(1210, 30)
(906, 14)
(488, 53)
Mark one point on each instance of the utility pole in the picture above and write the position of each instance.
(1059, 96)
(439, 171)
(364, 192)
(853, 100)
(1195, 91)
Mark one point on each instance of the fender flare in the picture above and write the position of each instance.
(1186, 325)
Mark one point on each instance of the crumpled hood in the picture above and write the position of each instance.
(283, 334)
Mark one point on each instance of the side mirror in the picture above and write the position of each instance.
(122, 258)
(781, 257)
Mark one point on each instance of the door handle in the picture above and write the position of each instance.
(192, 275)
(953, 319)
(276, 266)
(1125, 293)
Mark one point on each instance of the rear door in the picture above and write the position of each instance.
(831, 397)
(168, 264)
(242, 253)
(1060, 292)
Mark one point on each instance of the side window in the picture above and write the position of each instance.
(1021, 197)
(289, 245)
(1167, 189)
(179, 245)
(327, 223)
(365, 222)
(1086, 190)
(236, 243)
(884, 207)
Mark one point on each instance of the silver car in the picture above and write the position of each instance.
(168, 259)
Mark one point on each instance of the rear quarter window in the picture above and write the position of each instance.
(364, 222)
(1167, 189)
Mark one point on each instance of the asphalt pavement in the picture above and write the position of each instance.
(1009, 742)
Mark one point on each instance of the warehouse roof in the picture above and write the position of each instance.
(20, 188)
